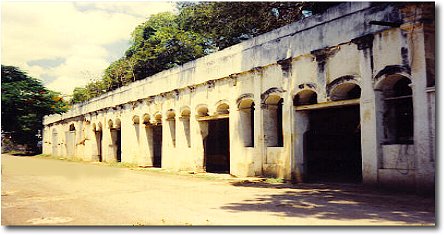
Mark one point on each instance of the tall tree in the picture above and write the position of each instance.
(167, 40)
(24, 103)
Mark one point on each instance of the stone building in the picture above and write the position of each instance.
(347, 96)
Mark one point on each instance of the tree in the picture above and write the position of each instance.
(167, 40)
(24, 103)
(229, 23)
(160, 43)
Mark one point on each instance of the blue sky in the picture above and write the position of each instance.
(67, 44)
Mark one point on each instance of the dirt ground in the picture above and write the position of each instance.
(37, 191)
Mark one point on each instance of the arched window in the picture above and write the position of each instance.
(72, 127)
(185, 118)
(273, 121)
(171, 118)
(397, 110)
(246, 111)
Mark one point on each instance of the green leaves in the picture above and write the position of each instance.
(167, 40)
(24, 103)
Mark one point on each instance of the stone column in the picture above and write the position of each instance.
(370, 136)
(259, 140)
(301, 125)
(425, 164)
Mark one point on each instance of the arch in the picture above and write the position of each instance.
(394, 100)
(146, 119)
(170, 114)
(110, 124)
(388, 81)
(72, 127)
(99, 126)
(392, 70)
(117, 123)
(305, 97)
(246, 119)
(344, 88)
(273, 99)
(202, 110)
(185, 111)
(222, 107)
(136, 119)
(273, 118)
(345, 91)
(244, 97)
(158, 117)
(245, 103)
(271, 95)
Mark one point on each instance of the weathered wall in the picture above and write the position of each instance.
(327, 54)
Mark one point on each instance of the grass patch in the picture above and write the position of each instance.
(274, 180)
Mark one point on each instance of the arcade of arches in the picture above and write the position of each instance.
(281, 105)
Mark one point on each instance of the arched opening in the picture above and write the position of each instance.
(202, 111)
(70, 137)
(116, 139)
(246, 125)
(215, 138)
(157, 140)
(223, 108)
(171, 119)
(396, 104)
(345, 91)
(147, 144)
(273, 121)
(305, 97)
(97, 129)
(185, 118)
(330, 135)
(136, 125)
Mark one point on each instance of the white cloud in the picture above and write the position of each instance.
(75, 32)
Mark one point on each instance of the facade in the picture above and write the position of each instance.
(347, 96)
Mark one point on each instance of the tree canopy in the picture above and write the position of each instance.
(24, 103)
(167, 40)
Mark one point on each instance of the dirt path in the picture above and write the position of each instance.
(39, 191)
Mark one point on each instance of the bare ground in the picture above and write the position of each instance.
(38, 191)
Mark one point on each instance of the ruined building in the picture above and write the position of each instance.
(346, 96)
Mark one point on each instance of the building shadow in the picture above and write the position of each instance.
(338, 202)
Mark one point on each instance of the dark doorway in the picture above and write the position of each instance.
(333, 145)
(119, 145)
(117, 141)
(157, 146)
(217, 147)
(99, 145)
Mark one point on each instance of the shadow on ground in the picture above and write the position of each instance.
(338, 202)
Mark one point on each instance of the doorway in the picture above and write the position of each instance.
(333, 145)
(98, 135)
(157, 145)
(116, 135)
(217, 147)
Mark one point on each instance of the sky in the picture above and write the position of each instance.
(67, 44)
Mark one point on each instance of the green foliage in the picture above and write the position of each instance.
(167, 40)
(160, 43)
(24, 103)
